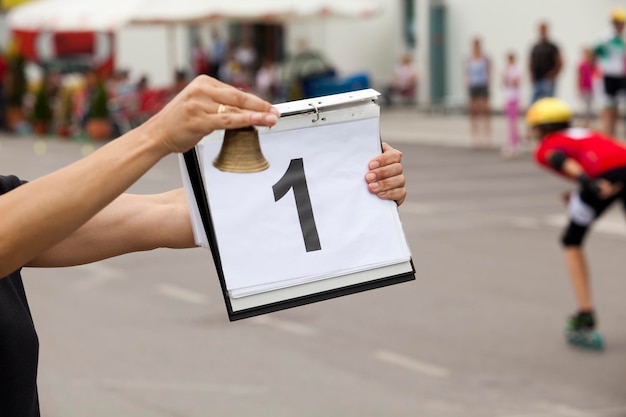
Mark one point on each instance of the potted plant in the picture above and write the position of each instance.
(98, 123)
(16, 91)
(64, 114)
(42, 111)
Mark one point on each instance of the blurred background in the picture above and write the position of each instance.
(282, 50)
(479, 334)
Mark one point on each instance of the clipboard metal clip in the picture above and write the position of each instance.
(317, 113)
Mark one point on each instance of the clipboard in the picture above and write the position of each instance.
(331, 111)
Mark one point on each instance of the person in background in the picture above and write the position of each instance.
(267, 81)
(83, 97)
(587, 74)
(216, 54)
(231, 71)
(545, 65)
(477, 80)
(122, 101)
(404, 81)
(199, 59)
(180, 81)
(611, 56)
(246, 56)
(4, 67)
(511, 80)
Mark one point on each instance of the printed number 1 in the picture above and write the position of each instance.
(295, 178)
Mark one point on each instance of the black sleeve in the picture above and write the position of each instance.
(557, 159)
(9, 182)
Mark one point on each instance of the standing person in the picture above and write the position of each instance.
(404, 81)
(598, 164)
(477, 80)
(267, 81)
(512, 79)
(4, 67)
(611, 54)
(587, 73)
(246, 56)
(83, 97)
(180, 81)
(79, 214)
(199, 59)
(546, 63)
(217, 54)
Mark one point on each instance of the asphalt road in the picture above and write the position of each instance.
(478, 334)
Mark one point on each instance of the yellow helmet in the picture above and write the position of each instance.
(618, 15)
(548, 111)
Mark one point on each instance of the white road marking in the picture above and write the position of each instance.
(182, 386)
(97, 274)
(182, 294)
(561, 410)
(166, 386)
(285, 326)
(412, 364)
(610, 225)
(526, 222)
(440, 139)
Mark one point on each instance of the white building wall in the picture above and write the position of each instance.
(153, 50)
(372, 45)
(511, 25)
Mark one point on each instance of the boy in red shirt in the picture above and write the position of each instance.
(598, 164)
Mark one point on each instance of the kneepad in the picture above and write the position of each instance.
(574, 235)
(580, 212)
(581, 215)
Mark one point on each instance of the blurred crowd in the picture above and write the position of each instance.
(601, 78)
(71, 103)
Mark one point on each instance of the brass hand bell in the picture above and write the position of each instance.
(241, 152)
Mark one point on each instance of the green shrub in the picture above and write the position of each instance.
(17, 87)
(99, 106)
(42, 111)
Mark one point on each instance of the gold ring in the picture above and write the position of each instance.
(221, 108)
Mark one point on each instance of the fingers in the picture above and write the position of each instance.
(225, 94)
(390, 189)
(384, 172)
(386, 165)
(228, 101)
(608, 189)
(398, 195)
(243, 119)
(389, 156)
(385, 178)
(615, 189)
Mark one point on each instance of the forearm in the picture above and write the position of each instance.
(38, 215)
(131, 223)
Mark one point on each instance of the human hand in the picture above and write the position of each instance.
(385, 178)
(607, 189)
(203, 106)
(602, 188)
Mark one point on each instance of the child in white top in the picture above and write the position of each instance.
(512, 76)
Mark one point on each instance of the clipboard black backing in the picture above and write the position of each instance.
(195, 175)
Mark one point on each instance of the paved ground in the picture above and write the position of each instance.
(477, 335)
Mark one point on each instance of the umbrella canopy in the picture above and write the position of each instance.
(202, 10)
(72, 15)
(97, 15)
